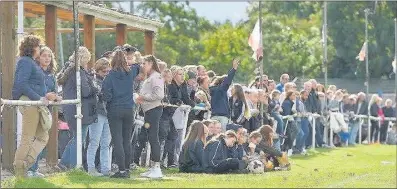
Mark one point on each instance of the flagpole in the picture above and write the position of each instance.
(395, 59)
(367, 70)
(261, 59)
(325, 45)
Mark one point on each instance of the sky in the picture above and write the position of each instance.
(215, 11)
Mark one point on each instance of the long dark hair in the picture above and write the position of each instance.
(196, 132)
(119, 62)
(153, 60)
(239, 93)
(266, 132)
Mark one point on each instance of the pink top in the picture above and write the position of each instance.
(63, 125)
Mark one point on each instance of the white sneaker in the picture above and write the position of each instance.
(289, 152)
(145, 174)
(34, 174)
(156, 171)
(95, 173)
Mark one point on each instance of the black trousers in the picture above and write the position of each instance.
(152, 119)
(170, 145)
(383, 131)
(227, 165)
(374, 130)
(121, 128)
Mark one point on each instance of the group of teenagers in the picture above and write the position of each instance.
(124, 89)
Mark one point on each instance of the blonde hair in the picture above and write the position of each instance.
(84, 56)
(374, 98)
(175, 70)
(332, 88)
(101, 64)
(388, 101)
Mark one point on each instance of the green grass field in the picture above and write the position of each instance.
(362, 166)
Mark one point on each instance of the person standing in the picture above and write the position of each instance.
(117, 90)
(150, 98)
(67, 79)
(99, 132)
(29, 84)
(48, 64)
(283, 80)
(219, 99)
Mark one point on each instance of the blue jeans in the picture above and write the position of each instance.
(69, 156)
(280, 123)
(35, 166)
(303, 134)
(353, 131)
(277, 144)
(99, 136)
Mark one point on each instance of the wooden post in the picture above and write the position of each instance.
(149, 42)
(8, 37)
(50, 39)
(89, 37)
(121, 34)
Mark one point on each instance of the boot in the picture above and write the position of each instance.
(156, 171)
(145, 174)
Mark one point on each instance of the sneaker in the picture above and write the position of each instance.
(173, 166)
(133, 166)
(95, 173)
(145, 174)
(114, 168)
(289, 152)
(119, 174)
(34, 174)
(156, 172)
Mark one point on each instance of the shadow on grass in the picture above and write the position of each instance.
(314, 153)
(27, 183)
(79, 177)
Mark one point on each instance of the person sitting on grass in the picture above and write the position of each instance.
(215, 130)
(218, 156)
(266, 146)
(210, 126)
(191, 157)
(253, 140)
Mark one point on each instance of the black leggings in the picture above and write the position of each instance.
(374, 130)
(152, 119)
(121, 128)
(227, 165)
(383, 131)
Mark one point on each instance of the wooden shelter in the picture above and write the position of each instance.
(91, 16)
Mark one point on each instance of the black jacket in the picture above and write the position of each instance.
(389, 112)
(191, 158)
(313, 105)
(236, 108)
(363, 109)
(215, 152)
(178, 95)
(374, 110)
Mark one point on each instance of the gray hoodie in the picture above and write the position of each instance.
(152, 91)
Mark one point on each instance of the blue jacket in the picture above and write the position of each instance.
(219, 99)
(280, 87)
(29, 80)
(287, 107)
(215, 152)
(50, 82)
(191, 157)
(117, 88)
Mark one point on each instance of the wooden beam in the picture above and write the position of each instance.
(89, 37)
(149, 42)
(121, 34)
(8, 37)
(70, 30)
(50, 39)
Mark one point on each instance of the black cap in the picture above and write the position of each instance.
(128, 48)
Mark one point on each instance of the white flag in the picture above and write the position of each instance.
(394, 66)
(255, 42)
(361, 54)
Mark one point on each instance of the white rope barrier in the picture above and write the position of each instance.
(37, 103)
(360, 117)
